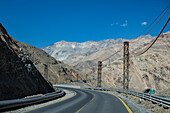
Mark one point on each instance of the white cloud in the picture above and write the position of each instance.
(113, 24)
(125, 24)
(117, 23)
(144, 23)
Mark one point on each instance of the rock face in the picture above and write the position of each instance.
(18, 76)
(71, 52)
(58, 72)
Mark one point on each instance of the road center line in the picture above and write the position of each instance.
(86, 104)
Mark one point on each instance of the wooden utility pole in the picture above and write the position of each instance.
(46, 71)
(99, 73)
(77, 77)
(126, 66)
(86, 77)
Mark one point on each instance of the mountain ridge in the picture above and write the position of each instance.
(142, 68)
(66, 51)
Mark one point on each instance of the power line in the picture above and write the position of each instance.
(115, 53)
(162, 13)
(154, 39)
(158, 20)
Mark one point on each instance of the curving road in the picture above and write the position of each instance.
(86, 101)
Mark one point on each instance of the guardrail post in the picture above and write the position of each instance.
(150, 97)
(160, 102)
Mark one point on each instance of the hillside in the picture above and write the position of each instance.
(150, 70)
(58, 72)
(71, 52)
(18, 76)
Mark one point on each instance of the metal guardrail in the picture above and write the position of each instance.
(10, 104)
(165, 102)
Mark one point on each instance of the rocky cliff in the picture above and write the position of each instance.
(71, 52)
(58, 72)
(18, 75)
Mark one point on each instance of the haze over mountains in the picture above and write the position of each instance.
(150, 70)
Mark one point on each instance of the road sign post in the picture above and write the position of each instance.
(92, 83)
(152, 91)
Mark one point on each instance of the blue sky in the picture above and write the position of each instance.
(43, 22)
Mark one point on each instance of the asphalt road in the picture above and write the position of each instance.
(86, 101)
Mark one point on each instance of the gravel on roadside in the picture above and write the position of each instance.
(138, 105)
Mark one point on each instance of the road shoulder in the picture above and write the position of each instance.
(134, 107)
(69, 94)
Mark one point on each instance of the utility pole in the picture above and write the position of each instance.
(48, 64)
(77, 77)
(126, 66)
(85, 73)
(46, 71)
(99, 73)
(86, 77)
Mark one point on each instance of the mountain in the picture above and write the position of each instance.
(18, 76)
(71, 52)
(150, 70)
(58, 72)
(108, 55)
(23, 71)
(84, 56)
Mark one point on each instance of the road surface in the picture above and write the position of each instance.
(86, 101)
